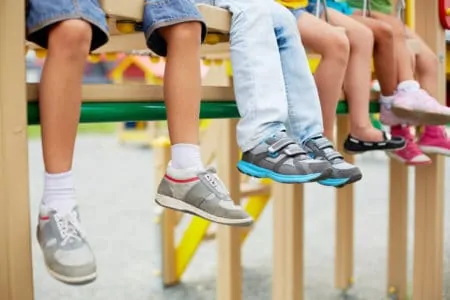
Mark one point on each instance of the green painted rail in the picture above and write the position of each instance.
(155, 111)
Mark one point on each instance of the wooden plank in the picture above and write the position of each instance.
(344, 217)
(397, 282)
(217, 19)
(134, 93)
(429, 188)
(169, 217)
(229, 270)
(16, 275)
(288, 236)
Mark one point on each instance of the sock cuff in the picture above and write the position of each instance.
(59, 180)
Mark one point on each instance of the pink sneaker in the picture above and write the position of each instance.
(410, 155)
(387, 116)
(435, 140)
(420, 107)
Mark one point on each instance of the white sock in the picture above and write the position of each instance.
(408, 86)
(386, 100)
(59, 192)
(186, 156)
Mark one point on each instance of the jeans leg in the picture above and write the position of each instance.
(257, 72)
(304, 112)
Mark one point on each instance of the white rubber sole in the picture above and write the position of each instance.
(179, 205)
(434, 150)
(73, 280)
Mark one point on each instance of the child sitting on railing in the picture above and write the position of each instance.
(345, 64)
(433, 138)
(274, 89)
(70, 30)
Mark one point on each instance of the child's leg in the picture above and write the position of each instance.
(303, 104)
(69, 41)
(334, 48)
(412, 101)
(187, 186)
(261, 98)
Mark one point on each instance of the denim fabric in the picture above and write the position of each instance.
(273, 83)
(162, 13)
(42, 14)
(311, 8)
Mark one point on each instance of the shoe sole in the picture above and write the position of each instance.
(435, 150)
(421, 117)
(399, 159)
(73, 280)
(341, 182)
(351, 152)
(258, 172)
(172, 203)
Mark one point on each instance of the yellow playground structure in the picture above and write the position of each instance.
(124, 101)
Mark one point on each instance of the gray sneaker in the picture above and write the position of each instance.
(203, 195)
(343, 173)
(281, 159)
(67, 254)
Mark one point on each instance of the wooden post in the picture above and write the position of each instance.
(429, 196)
(229, 271)
(169, 218)
(16, 276)
(287, 241)
(344, 218)
(398, 230)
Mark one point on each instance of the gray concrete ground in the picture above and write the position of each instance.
(115, 192)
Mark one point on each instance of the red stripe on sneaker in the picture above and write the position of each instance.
(44, 218)
(181, 180)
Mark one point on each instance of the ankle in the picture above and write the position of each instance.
(59, 192)
(186, 156)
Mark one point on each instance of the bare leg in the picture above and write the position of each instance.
(384, 54)
(358, 77)
(405, 71)
(182, 81)
(60, 92)
(333, 46)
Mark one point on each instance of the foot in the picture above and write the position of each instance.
(387, 116)
(342, 173)
(200, 193)
(434, 140)
(411, 155)
(420, 107)
(281, 159)
(67, 254)
(388, 143)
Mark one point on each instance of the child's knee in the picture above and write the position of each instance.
(383, 33)
(71, 38)
(339, 46)
(187, 32)
(361, 37)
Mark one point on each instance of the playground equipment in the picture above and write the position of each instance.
(115, 103)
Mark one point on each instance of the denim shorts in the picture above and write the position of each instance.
(163, 13)
(311, 8)
(41, 15)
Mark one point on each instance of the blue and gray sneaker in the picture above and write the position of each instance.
(343, 173)
(281, 159)
(67, 254)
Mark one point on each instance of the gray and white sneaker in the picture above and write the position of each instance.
(281, 159)
(67, 254)
(343, 173)
(200, 193)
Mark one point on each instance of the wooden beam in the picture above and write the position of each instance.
(134, 93)
(429, 187)
(16, 275)
(229, 270)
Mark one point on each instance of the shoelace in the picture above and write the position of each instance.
(69, 228)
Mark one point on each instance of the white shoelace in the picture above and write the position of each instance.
(69, 228)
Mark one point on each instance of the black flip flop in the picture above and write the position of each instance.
(389, 143)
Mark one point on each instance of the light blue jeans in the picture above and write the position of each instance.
(273, 84)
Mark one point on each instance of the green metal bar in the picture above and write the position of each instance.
(155, 111)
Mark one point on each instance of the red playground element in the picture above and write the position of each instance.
(444, 13)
